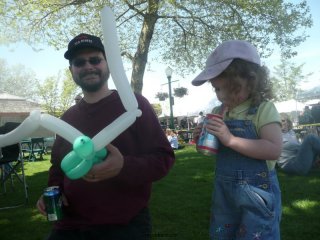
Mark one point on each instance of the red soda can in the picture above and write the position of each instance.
(208, 144)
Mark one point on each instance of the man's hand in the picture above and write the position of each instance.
(42, 207)
(109, 168)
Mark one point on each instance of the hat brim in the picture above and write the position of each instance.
(211, 72)
(70, 53)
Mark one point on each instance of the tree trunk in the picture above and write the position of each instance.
(140, 58)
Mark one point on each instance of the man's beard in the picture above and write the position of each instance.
(92, 87)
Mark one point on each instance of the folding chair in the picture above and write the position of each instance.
(37, 146)
(12, 168)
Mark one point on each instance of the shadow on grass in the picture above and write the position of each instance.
(300, 205)
(25, 222)
(180, 203)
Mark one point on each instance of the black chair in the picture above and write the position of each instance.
(12, 166)
(36, 147)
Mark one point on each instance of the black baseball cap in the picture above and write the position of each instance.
(82, 41)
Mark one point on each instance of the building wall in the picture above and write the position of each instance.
(40, 132)
(4, 119)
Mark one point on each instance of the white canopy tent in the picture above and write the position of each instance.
(311, 94)
(289, 106)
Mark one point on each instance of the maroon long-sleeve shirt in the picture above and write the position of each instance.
(147, 158)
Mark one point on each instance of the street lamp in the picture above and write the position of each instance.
(169, 74)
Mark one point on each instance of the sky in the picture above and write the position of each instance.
(48, 62)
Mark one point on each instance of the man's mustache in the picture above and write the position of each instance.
(83, 74)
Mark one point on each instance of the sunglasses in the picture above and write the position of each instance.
(80, 62)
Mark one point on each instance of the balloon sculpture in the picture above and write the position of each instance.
(79, 161)
(86, 151)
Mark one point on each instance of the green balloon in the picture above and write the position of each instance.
(101, 153)
(84, 147)
(96, 160)
(70, 161)
(80, 170)
(78, 162)
(100, 156)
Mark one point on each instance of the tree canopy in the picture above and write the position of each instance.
(17, 80)
(287, 80)
(175, 32)
(57, 93)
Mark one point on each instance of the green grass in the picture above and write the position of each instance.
(180, 204)
(25, 222)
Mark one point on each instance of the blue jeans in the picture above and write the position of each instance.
(246, 201)
(298, 159)
(243, 210)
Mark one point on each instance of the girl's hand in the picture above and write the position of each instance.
(217, 127)
(196, 132)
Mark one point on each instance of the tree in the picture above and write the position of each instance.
(17, 80)
(57, 93)
(173, 32)
(157, 108)
(69, 91)
(286, 80)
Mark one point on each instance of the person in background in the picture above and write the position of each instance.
(315, 112)
(78, 98)
(297, 158)
(200, 118)
(246, 199)
(172, 138)
(111, 200)
(306, 116)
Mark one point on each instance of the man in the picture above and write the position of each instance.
(200, 118)
(77, 98)
(111, 201)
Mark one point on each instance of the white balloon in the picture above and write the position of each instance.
(106, 135)
(65, 130)
(25, 129)
(112, 50)
(60, 127)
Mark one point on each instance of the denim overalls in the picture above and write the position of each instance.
(246, 199)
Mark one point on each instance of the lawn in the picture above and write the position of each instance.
(180, 204)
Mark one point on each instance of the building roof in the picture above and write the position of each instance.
(10, 104)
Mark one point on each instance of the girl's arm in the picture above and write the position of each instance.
(268, 147)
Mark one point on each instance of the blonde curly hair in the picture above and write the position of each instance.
(286, 117)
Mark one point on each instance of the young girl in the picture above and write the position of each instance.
(172, 138)
(246, 199)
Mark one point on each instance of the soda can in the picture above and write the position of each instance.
(53, 203)
(208, 144)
